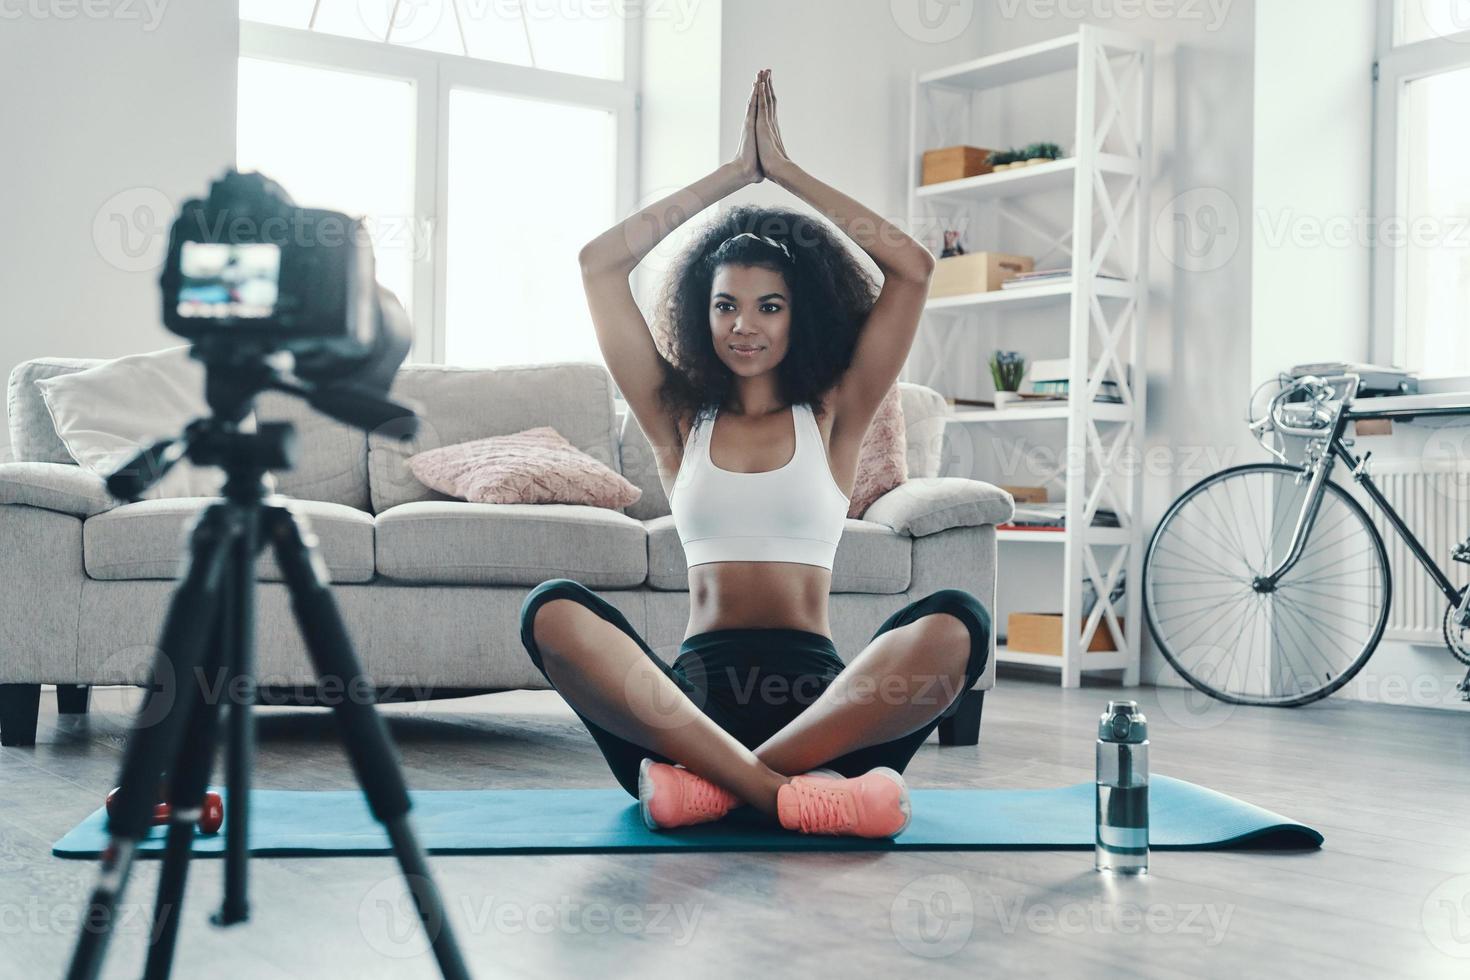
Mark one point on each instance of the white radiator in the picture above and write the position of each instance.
(1436, 507)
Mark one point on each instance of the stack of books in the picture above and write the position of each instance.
(1042, 277)
(1051, 378)
(1051, 517)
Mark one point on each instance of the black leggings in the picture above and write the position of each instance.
(753, 681)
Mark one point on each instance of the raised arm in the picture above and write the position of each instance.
(906, 264)
(622, 331)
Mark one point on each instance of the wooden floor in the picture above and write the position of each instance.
(1388, 895)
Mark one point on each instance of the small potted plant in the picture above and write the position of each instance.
(1037, 153)
(1007, 368)
(1004, 159)
(1027, 156)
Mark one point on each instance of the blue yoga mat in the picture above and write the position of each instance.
(1183, 816)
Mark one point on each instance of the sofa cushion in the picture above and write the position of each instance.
(331, 458)
(510, 544)
(870, 558)
(147, 539)
(54, 486)
(460, 404)
(33, 437)
(925, 415)
(882, 458)
(108, 412)
(640, 466)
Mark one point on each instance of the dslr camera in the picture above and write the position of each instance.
(248, 274)
(274, 297)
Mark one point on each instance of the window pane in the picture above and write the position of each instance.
(579, 38)
(1420, 20)
(429, 24)
(496, 32)
(286, 13)
(529, 183)
(366, 20)
(337, 140)
(585, 39)
(1435, 293)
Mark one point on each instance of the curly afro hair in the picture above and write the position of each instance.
(831, 296)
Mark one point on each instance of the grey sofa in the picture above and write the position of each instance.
(431, 587)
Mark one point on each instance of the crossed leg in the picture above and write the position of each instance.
(607, 679)
(877, 711)
(903, 679)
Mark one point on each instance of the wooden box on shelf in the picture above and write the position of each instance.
(954, 163)
(1025, 495)
(976, 272)
(1042, 633)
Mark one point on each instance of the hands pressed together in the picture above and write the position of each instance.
(761, 153)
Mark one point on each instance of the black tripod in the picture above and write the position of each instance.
(209, 629)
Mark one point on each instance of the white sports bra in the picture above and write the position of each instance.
(795, 513)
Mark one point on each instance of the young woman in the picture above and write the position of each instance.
(779, 356)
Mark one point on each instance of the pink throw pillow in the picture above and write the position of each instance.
(883, 458)
(534, 466)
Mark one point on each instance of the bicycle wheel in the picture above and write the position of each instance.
(1243, 641)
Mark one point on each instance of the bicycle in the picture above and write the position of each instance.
(1267, 583)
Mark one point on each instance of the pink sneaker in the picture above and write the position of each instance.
(875, 804)
(672, 796)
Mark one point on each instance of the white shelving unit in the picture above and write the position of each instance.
(1109, 179)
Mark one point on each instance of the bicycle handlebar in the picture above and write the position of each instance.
(1310, 418)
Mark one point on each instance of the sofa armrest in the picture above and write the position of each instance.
(930, 504)
(41, 566)
(61, 487)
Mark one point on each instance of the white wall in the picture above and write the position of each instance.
(841, 74)
(1311, 177)
(840, 71)
(109, 123)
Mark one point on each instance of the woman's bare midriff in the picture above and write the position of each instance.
(758, 594)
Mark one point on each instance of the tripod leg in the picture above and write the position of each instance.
(240, 757)
(364, 735)
(155, 740)
(188, 780)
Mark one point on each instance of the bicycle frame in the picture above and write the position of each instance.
(1319, 469)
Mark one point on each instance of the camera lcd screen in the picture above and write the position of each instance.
(229, 281)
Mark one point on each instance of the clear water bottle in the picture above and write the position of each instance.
(1122, 789)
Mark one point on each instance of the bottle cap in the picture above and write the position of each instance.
(1122, 722)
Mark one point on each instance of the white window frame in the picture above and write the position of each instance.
(434, 75)
(1394, 68)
